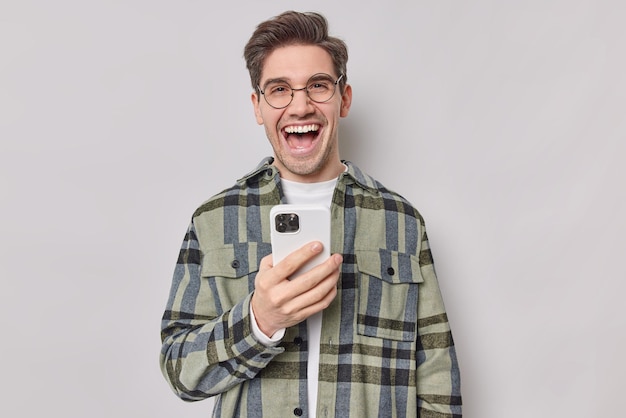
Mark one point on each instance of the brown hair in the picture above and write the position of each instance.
(293, 28)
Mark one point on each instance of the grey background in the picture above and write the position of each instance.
(502, 121)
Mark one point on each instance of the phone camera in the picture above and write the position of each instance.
(287, 222)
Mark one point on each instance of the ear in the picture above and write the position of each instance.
(346, 101)
(257, 110)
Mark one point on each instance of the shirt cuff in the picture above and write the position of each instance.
(264, 339)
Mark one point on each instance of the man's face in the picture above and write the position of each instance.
(304, 135)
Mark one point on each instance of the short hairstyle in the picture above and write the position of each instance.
(293, 28)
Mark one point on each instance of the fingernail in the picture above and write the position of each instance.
(316, 247)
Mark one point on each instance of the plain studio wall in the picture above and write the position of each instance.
(502, 121)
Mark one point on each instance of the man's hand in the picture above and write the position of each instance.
(279, 302)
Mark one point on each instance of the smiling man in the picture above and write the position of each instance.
(364, 334)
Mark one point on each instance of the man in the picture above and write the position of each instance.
(364, 334)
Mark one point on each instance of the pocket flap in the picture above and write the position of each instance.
(234, 260)
(390, 266)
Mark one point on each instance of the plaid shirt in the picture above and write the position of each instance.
(386, 347)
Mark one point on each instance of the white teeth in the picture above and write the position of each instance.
(301, 129)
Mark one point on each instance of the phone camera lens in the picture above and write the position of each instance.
(281, 227)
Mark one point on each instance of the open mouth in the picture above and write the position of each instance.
(301, 138)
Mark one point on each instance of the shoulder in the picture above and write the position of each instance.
(246, 191)
(380, 195)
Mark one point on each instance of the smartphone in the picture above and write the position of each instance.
(293, 226)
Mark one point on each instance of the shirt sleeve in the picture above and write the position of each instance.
(204, 354)
(438, 375)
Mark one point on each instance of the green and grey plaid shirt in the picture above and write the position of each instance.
(386, 347)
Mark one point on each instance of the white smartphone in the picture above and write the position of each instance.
(293, 226)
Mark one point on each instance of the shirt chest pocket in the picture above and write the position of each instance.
(388, 286)
(229, 272)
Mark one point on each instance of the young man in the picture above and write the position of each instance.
(364, 334)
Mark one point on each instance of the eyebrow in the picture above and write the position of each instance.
(275, 80)
(317, 76)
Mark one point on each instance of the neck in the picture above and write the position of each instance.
(327, 173)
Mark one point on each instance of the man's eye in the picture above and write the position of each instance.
(278, 90)
(319, 86)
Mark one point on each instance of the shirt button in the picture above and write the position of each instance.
(297, 341)
(297, 412)
(391, 271)
(235, 264)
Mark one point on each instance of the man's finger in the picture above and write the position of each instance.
(298, 258)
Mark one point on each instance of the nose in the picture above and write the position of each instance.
(300, 104)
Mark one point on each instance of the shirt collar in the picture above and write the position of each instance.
(352, 174)
(355, 174)
(264, 168)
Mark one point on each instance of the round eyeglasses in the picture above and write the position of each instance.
(320, 88)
